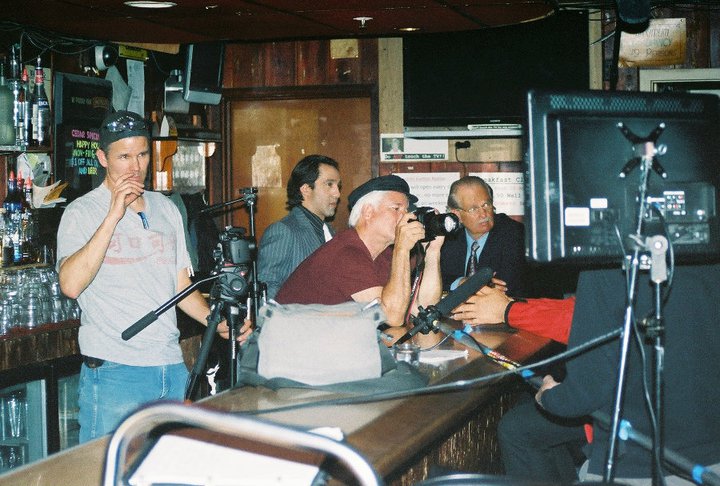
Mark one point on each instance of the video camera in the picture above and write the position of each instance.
(233, 259)
(444, 224)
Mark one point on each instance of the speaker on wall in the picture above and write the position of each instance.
(203, 73)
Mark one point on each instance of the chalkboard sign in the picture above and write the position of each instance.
(81, 103)
(79, 167)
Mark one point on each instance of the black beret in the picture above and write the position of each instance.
(382, 183)
(121, 124)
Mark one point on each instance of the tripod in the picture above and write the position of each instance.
(225, 296)
(257, 289)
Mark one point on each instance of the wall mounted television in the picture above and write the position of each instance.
(202, 82)
(578, 207)
(453, 82)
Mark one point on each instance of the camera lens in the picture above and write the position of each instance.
(437, 224)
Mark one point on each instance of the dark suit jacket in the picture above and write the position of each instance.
(504, 252)
(284, 245)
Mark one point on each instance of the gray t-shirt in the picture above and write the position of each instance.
(138, 275)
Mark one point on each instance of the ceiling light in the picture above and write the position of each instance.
(149, 4)
(362, 20)
(409, 29)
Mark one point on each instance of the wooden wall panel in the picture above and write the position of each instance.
(243, 66)
(312, 62)
(279, 64)
(340, 128)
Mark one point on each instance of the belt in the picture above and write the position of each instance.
(91, 362)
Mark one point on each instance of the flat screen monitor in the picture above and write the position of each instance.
(456, 83)
(578, 207)
(203, 73)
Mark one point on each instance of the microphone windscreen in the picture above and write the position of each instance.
(480, 279)
(633, 11)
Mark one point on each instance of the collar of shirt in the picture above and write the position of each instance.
(315, 221)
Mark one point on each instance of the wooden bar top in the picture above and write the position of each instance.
(391, 435)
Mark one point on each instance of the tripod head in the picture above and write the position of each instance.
(233, 263)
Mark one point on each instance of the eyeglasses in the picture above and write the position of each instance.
(125, 123)
(486, 206)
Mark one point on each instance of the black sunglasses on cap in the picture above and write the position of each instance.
(125, 123)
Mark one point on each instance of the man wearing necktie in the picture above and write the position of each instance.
(313, 192)
(489, 240)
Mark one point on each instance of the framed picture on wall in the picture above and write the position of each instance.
(685, 80)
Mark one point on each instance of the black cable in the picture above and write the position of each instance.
(456, 386)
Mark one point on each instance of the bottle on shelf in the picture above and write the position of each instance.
(41, 109)
(7, 109)
(6, 258)
(27, 107)
(28, 221)
(16, 86)
(13, 202)
(16, 237)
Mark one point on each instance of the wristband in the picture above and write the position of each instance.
(507, 309)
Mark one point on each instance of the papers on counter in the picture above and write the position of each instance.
(176, 460)
(183, 461)
(437, 356)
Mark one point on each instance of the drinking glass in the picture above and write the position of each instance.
(15, 415)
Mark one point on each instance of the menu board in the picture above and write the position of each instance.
(81, 103)
(78, 166)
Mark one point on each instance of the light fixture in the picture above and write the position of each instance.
(206, 149)
(149, 4)
(408, 29)
(363, 21)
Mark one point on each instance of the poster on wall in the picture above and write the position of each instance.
(431, 188)
(394, 147)
(508, 191)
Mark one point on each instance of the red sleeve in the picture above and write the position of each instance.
(550, 318)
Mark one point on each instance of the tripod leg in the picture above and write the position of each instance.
(235, 315)
(207, 340)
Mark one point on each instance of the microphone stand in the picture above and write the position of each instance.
(699, 474)
(647, 162)
(427, 319)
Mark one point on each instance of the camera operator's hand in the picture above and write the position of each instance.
(408, 231)
(243, 333)
(435, 245)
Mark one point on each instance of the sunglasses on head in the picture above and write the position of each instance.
(125, 123)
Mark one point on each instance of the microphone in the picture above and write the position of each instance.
(474, 283)
(426, 319)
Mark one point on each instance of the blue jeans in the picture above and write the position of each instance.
(112, 391)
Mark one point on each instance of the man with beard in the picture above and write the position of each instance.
(313, 192)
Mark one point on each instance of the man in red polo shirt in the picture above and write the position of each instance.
(371, 259)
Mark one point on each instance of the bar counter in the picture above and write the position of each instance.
(400, 438)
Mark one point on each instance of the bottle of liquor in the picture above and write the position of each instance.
(29, 220)
(12, 203)
(27, 107)
(6, 259)
(41, 109)
(7, 110)
(28, 195)
(16, 237)
(15, 86)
